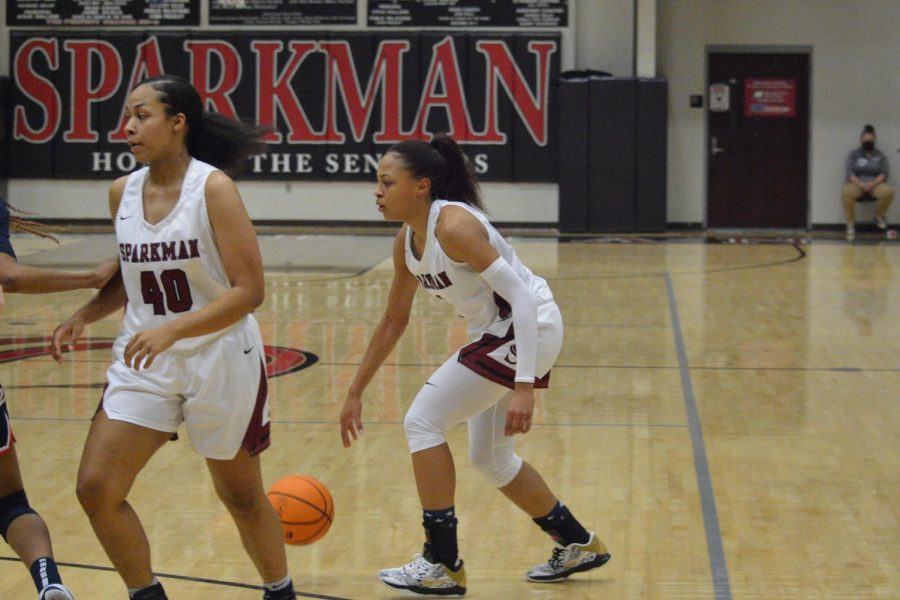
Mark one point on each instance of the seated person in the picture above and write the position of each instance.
(867, 171)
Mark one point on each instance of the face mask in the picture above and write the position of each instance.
(868, 146)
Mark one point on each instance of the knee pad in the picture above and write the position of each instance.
(499, 467)
(11, 508)
(422, 432)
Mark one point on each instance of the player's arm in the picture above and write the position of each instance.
(464, 239)
(241, 258)
(108, 300)
(388, 331)
(25, 279)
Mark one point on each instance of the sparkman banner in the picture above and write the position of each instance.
(335, 101)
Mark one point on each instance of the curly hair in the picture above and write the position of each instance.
(20, 223)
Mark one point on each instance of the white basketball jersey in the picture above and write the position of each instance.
(460, 284)
(174, 266)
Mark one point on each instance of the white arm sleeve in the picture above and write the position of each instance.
(504, 280)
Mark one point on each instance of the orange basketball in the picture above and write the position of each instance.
(304, 506)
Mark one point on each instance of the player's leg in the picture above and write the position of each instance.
(114, 453)
(238, 483)
(22, 528)
(26, 532)
(227, 419)
(451, 395)
(493, 454)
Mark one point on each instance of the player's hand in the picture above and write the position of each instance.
(520, 409)
(351, 419)
(105, 271)
(65, 336)
(145, 346)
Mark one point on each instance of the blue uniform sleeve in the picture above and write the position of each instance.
(5, 244)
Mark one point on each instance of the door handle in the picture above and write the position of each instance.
(714, 146)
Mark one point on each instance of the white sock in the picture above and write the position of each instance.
(278, 585)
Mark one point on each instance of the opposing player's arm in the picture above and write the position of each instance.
(25, 279)
(388, 331)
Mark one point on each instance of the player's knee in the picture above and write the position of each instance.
(12, 507)
(497, 467)
(244, 500)
(94, 492)
(422, 433)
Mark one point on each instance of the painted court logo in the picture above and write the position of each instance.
(279, 360)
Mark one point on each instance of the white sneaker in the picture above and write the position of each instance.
(426, 578)
(56, 591)
(570, 559)
(851, 232)
(880, 222)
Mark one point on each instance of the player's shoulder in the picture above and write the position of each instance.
(116, 191)
(118, 185)
(218, 182)
(456, 221)
(454, 215)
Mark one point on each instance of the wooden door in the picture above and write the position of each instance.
(757, 140)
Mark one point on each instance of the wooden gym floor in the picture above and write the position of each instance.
(724, 416)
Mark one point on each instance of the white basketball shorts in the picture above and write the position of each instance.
(219, 391)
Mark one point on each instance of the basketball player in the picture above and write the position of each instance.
(22, 528)
(447, 246)
(189, 351)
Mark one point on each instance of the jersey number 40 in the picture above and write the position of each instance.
(171, 291)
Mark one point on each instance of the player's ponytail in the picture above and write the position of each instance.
(213, 138)
(459, 182)
(225, 143)
(445, 164)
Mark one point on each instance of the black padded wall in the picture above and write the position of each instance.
(574, 166)
(650, 168)
(613, 113)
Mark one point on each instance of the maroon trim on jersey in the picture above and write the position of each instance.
(257, 437)
(475, 357)
(505, 310)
